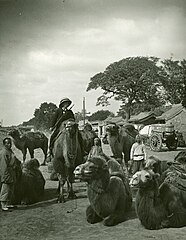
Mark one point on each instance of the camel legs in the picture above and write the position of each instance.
(31, 151)
(24, 151)
(61, 198)
(70, 194)
(116, 217)
(91, 215)
(173, 200)
(178, 216)
(70, 180)
(45, 157)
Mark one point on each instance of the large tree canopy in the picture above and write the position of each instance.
(174, 80)
(133, 80)
(43, 115)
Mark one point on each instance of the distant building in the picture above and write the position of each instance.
(117, 120)
(177, 116)
(144, 118)
(99, 126)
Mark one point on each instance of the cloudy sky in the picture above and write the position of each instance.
(50, 49)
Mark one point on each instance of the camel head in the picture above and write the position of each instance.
(71, 128)
(144, 179)
(93, 169)
(152, 163)
(88, 127)
(112, 129)
(14, 133)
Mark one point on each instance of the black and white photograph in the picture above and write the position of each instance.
(92, 119)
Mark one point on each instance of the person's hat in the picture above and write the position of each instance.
(65, 100)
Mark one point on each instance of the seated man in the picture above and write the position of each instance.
(61, 115)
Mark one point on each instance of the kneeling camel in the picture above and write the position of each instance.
(159, 206)
(108, 191)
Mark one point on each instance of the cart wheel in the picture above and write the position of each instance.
(155, 142)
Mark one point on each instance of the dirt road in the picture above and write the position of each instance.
(49, 220)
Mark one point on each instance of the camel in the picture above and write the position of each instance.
(164, 167)
(108, 191)
(29, 185)
(181, 157)
(30, 140)
(67, 155)
(88, 135)
(160, 206)
(156, 164)
(121, 140)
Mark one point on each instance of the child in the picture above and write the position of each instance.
(138, 155)
(96, 150)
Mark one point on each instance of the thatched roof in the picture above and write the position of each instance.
(177, 116)
(142, 117)
(175, 110)
(116, 120)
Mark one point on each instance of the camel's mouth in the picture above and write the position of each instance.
(85, 175)
(78, 175)
(82, 173)
(87, 172)
(134, 184)
(134, 181)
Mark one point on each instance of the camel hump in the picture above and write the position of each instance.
(130, 130)
(35, 135)
(32, 164)
(130, 127)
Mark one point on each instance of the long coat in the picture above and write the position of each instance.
(7, 166)
(60, 116)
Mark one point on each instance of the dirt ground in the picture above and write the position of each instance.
(49, 220)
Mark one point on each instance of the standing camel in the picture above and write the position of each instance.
(88, 135)
(30, 141)
(67, 155)
(121, 140)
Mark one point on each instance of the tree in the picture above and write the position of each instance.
(133, 80)
(29, 122)
(174, 73)
(183, 65)
(43, 115)
(100, 115)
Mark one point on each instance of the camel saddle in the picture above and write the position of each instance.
(177, 176)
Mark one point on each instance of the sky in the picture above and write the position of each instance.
(49, 49)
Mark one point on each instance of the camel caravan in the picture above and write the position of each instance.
(157, 187)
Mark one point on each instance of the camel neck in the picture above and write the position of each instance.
(100, 185)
